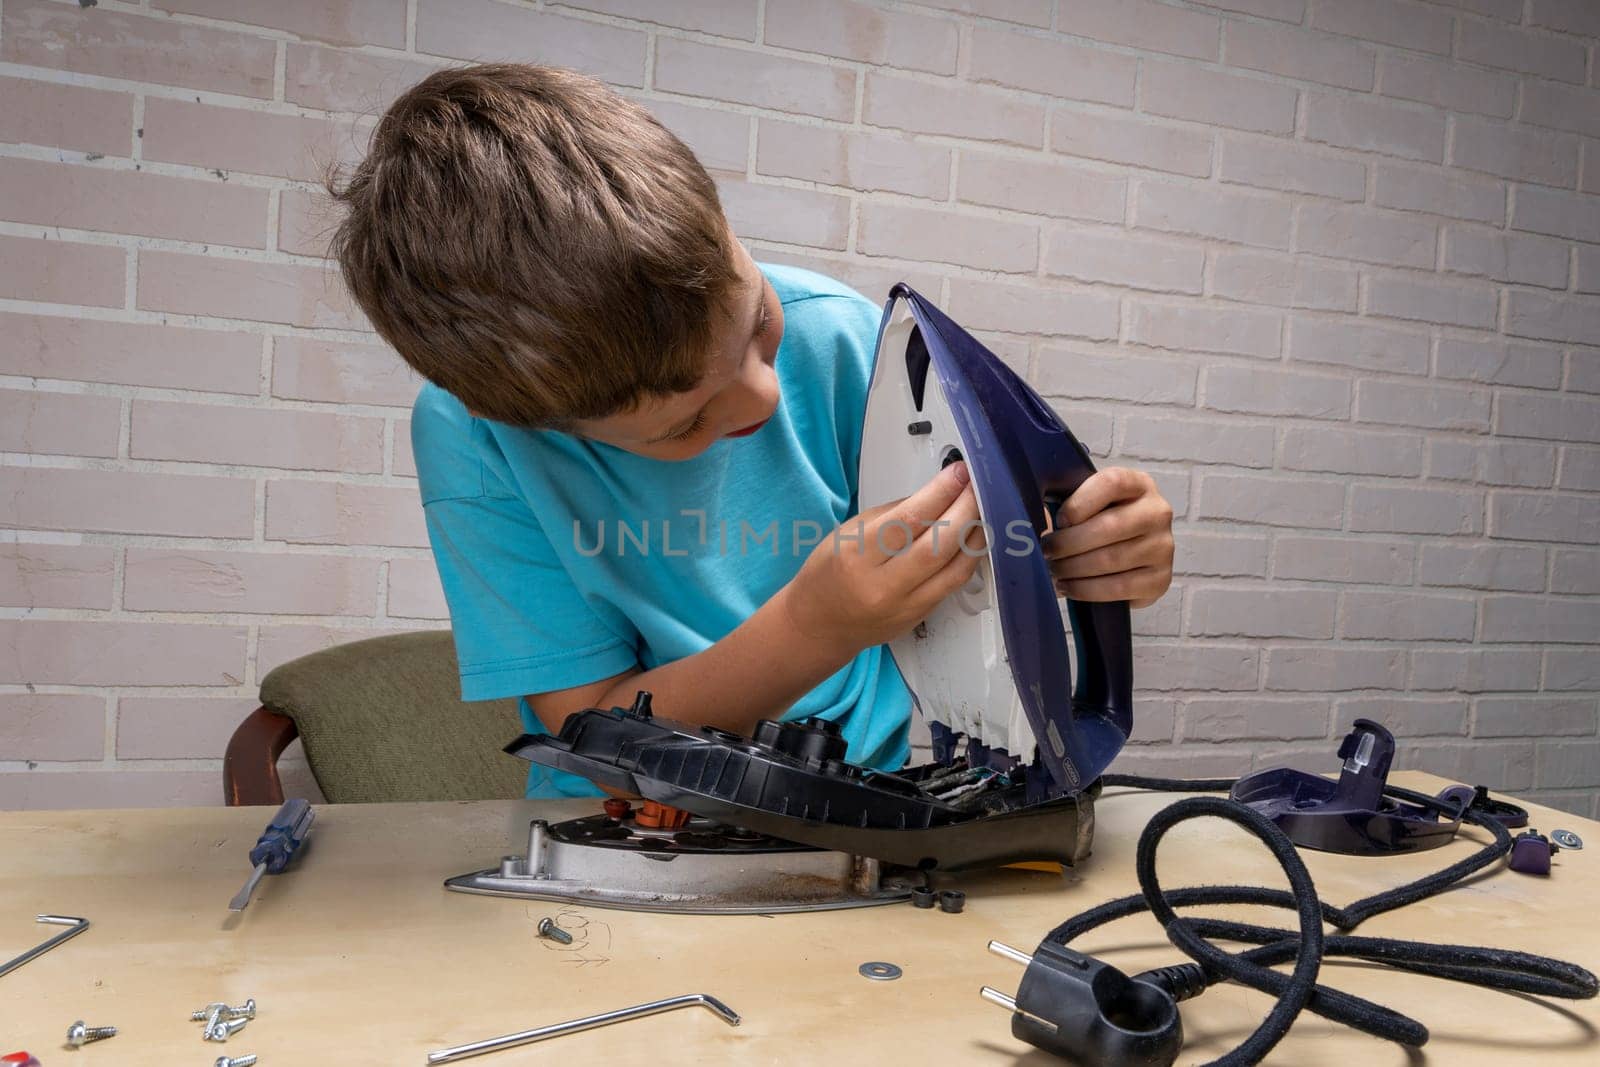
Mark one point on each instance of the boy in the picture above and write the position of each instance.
(603, 354)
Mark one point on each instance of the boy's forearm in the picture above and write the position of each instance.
(756, 672)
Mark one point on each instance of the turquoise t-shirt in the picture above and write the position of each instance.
(565, 561)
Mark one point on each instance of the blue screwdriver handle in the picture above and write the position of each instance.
(283, 836)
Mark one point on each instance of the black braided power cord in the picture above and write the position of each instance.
(1494, 968)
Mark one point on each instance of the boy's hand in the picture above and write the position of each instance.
(884, 571)
(1113, 540)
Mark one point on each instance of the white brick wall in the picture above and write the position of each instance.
(1330, 269)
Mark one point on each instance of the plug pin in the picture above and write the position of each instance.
(1015, 955)
(994, 996)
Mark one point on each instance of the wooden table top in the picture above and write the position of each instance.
(359, 956)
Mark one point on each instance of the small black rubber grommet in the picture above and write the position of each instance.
(952, 900)
(923, 897)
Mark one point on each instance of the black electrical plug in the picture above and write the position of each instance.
(1088, 1012)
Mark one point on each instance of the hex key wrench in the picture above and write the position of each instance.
(75, 926)
(495, 1044)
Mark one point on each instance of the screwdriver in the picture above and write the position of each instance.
(276, 846)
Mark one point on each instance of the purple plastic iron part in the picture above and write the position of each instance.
(1477, 798)
(1531, 852)
(1350, 816)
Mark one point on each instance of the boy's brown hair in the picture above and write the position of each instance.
(536, 245)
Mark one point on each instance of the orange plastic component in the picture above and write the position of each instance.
(617, 808)
(661, 817)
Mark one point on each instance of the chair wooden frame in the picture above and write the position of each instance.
(250, 764)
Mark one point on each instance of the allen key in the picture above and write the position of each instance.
(495, 1044)
(75, 926)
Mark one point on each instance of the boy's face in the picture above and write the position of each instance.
(737, 395)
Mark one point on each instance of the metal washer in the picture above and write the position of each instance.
(879, 971)
(1567, 840)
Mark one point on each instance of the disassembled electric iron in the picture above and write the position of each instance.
(782, 821)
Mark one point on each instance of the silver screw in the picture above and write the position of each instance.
(247, 1010)
(548, 928)
(79, 1035)
(223, 1029)
(205, 1012)
(237, 1061)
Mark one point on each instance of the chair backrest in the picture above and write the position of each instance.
(383, 720)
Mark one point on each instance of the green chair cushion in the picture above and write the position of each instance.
(383, 720)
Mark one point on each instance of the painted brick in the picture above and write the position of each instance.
(1044, 188)
(1574, 16)
(414, 590)
(1234, 719)
(1438, 192)
(1516, 463)
(37, 790)
(723, 18)
(1254, 391)
(1568, 763)
(1386, 616)
(1415, 510)
(1452, 459)
(50, 652)
(1540, 620)
(864, 162)
(1054, 311)
(1220, 555)
(1352, 343)
(59, 424)
(782, 84)
(1197, 667)
(249, 582)
(1375, 126)
(235, 139)
(340, 373)
(1424, 29)
(245, 289)
(337, 79)
(1342, 559)
(1130, 141)
(1550, 318)
(1543, 517)
(1206, 211)
(1330, 669)
(1277, 165)
(126, 502)
(1025, 12)
(1568, 669)
(74, 349)
(1515, 49)
(405, 460)
(256, 437)
(46, 727)
(116, 44)
(61, 272)
(1505, 257)
(1515, 152)
(1187, 328)
(147, 205)
(1476, 670)
(381, 22)
(1534, 717)
(1349, 232)
(1184, 91)
(1419, 299)
(1575, 570)
(1438, 407)
(1559, 214)
(719, 139)
(1358, 451)
(1556, 418)
(1092, 426)
(1056, 68)
(1499, 362)
(1497, 764)
(1580, 468)
(1237, 444)
(1183, 760)
(1283, 10)
(1587, 273)
(1296, 53)
(923, 107)
(1235, 612)
(974, 241)
(1425, 717)
(66, 116)
(779, 213)
(178, 727)
(1154, 721)
(1286, 281)
(335, 513)
(1561, 107)
(55, 576)
(1447, 85)
(1137, 379)
(1297, 502)
(282, 644)
(1142, 24)
(306, 223)
(486, 31)
(1509, 10)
